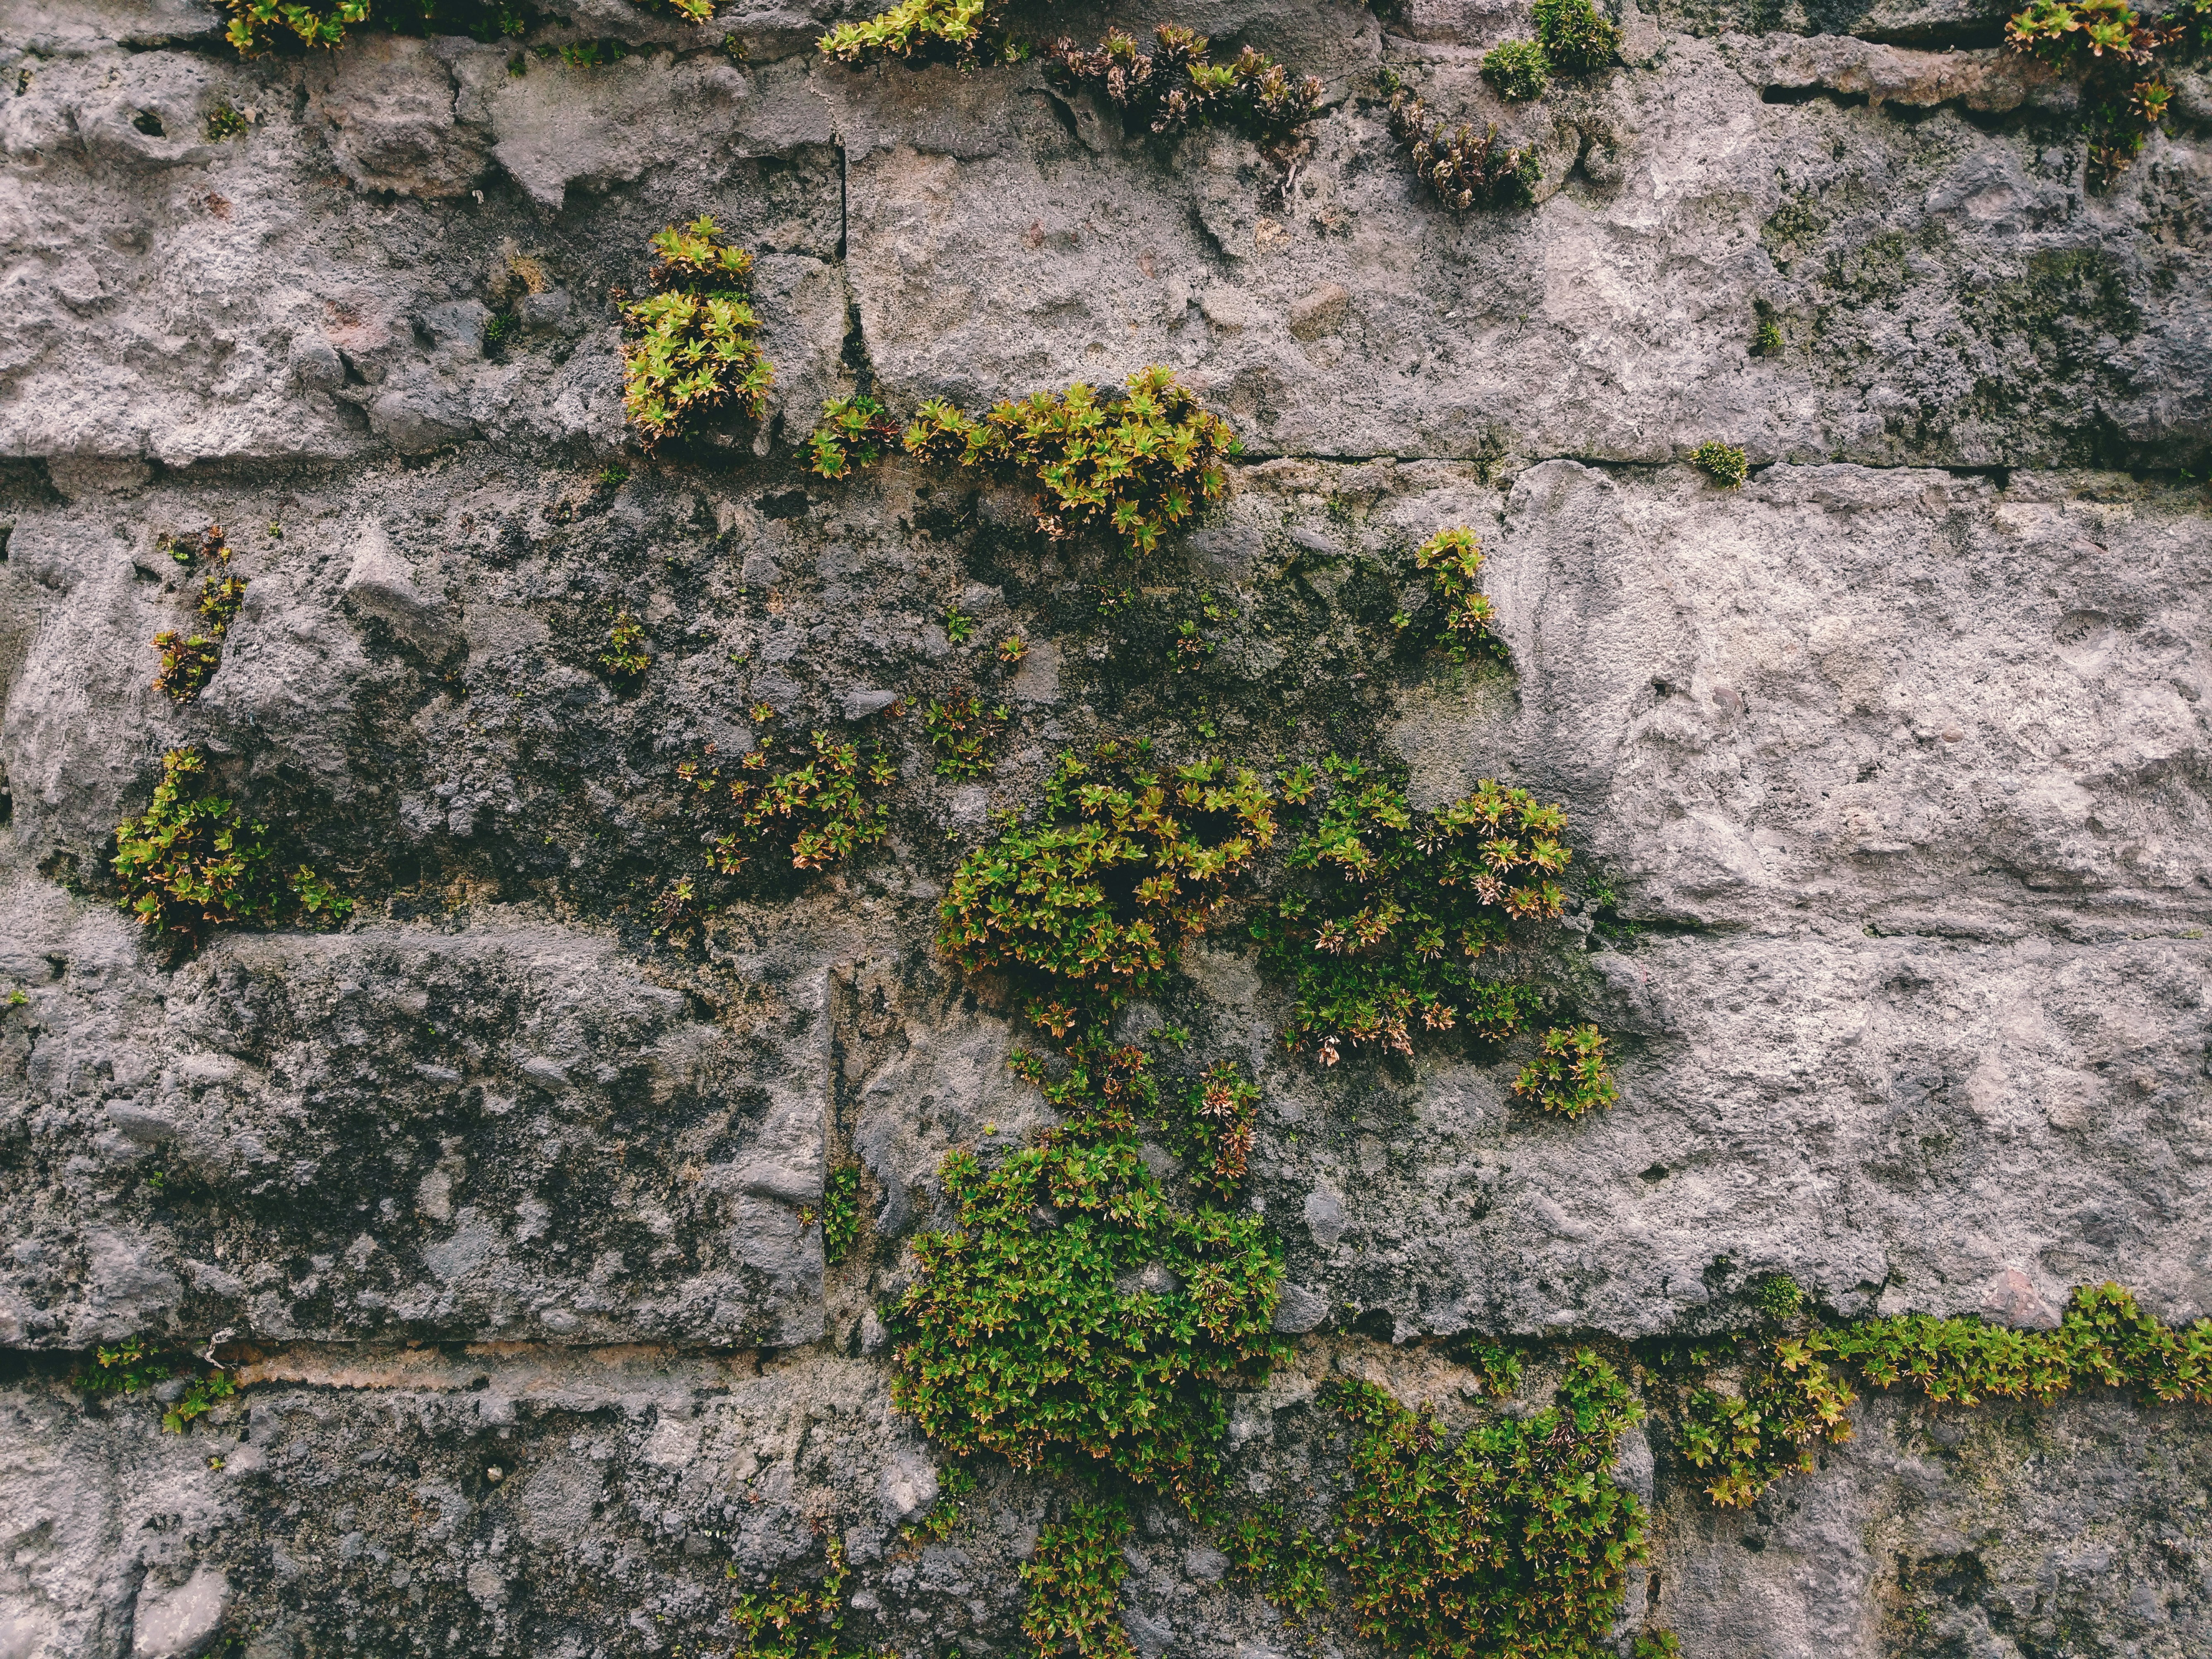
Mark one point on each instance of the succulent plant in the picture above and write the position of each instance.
(1176, 85)
(1464, 171)
(692, 349)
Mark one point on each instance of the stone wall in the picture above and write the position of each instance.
(1894, 762)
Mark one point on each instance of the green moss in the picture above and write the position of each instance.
(1726, 465)
(1518, 69)
(1575, 37)
(1513, 1545)
(1177, 86)
(1136, 466)
(193, 862)
(692, 349)
(1778, 1296)
(1387, 930)
(225, 121)
(1084, 909)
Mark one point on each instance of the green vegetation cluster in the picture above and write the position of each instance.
(841, 1212)
(1386, 930)
(853, 432)
(1516, 1542)
(133, 1366)
(257, 26)
(693, 347)
(801, 1623)
(1074, 1582)
(1725, 464)
(1792, 1398)
(1571, 38)
(818, 810)
(625, 658)
(961, 728)
(2116, 49)
(189, 661)
(1460, 622)
(1464, 171)
(920, 32)
(1136, 467)
(1177, 86)
(193, 861)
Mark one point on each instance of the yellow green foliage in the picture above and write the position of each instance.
(133, 1365)
(1452, 559)
(1136, 466)
(625, 657)
(1177, 86)
(693, 349)
(817, 811)
(960, 728)
(189, 661)
(1387, 931)
(1575, 39)
(920, 32)
(193, 862)
(1513, 1545)
(853, 431)
(1725, 463)
(1568, 1075)
(801, 1623)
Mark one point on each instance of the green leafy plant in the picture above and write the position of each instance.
(625, 657)
(1398, 908)
(1657, 1644)
(225, 121)
(853, 431)
(132, 1366)
(1465, 172)
(1575, 37)
(1568, 1075)
(960, 729)
(258, 26)
(918, 31)
(1725, 463)
(1221, 1110)
(1177, 86)
(692, 349)
(841, 1212)
(1136, 467)
(1767, 339)
(959, 626)
(1289, 1562)
(1459, 624)
(194, 862)
(1012, 649)
(499, 329)
(1074, 1581)
(2111, 46)
(1778, 1296)
(817, 809)
(1516, 1542)
(189, 661)
(801, 1623)
(1084, 909)
(1791, 1398)
(1518, 69)
(1098, 1340)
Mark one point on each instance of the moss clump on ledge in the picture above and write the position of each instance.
(134, 1366)
(693, 349)
(1385, 934)
(1177, 86)
(193, 862)
(1136, 466)
(1575, 39)
(1518, 69)
(1792, 1398)
(1727, 465)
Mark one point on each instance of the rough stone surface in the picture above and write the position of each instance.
(500, 1202)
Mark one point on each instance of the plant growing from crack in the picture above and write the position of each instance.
(1464, 171)
(1460, 623)
(258, 26)
(692, 349)
(189, 661)
(1518, 69)
(193, 861)
(2115, 49)
(921, 32)
(625, 658)
(1177, 86)
(853, 431)
(1576, 40)
(817, 811)
(960, 728)
(133, 1365)
(1726, 465)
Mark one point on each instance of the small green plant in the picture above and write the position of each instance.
(1464, 171)
(1135, 467)
(959, 626)
(1289, 1562)
(1397, 907)
(225, 121)
(1568, 1075)
(499, 329)
(960, 728)
(1767, 339)
(692, 349)
(587, 54)
(612, 477)
(2112, 46)
(1177, 86)
(818, 810)
(1778, 1296)
(1221, 1110)
(1084, 909)
(1514, 1543)
(918, 31)
(853, 431)
(1460, 625)
(194, 862)
(1791, 1399)
(1575, 37)
(1012, 649)
(1074, 1581)
(131, 1367)
(625, 657)
(189, 661)
(841, 1212)
(1657, 1644)
(801, 1623)
(953, 1487)
(1518, 69)
(1725, 463)
(258, 26)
